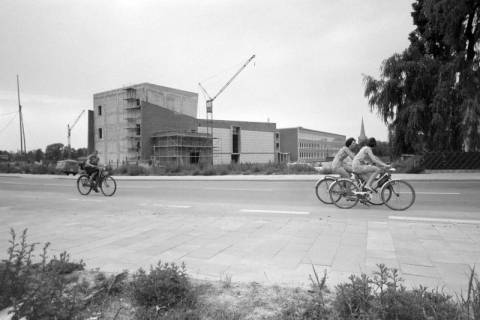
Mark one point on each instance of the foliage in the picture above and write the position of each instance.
(429, 94)
(130, 170)
(164, 288)
(39, 290)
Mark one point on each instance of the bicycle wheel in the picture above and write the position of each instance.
(83, 185)
(398, 195)
(321, 189)
(343, 193)
(108, 186)
(375, 198)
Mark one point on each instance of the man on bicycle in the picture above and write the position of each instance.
(338, 166)
(364, 156)
(92, 169)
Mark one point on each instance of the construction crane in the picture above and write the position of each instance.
(69, 131)
(210, 99)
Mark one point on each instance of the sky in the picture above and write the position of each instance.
(311, 56)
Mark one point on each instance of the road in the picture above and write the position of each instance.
(267, 231)
(435, 199)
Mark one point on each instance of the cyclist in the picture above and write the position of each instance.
(366, 155)
(338, 166)
(92, 169)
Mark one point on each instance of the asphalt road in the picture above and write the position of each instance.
(434, 199)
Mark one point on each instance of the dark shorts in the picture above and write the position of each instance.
(90, 170)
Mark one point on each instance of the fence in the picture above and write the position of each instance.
(451, 160)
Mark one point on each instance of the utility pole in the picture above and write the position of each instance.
(23, 147)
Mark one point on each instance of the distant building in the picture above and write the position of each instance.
(306, 145)
(158, 125)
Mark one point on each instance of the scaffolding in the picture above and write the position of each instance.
(181, 148)
(133, 123)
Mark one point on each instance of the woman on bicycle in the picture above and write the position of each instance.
(338, 166)
(366, 155)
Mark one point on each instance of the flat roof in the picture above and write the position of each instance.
(147, 84)
(246, 125)
(314, 131)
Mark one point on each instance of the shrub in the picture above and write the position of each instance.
(39, 290)
(383, 296)
(164, 288)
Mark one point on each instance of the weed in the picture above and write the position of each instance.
(39, 290)
(165, 287)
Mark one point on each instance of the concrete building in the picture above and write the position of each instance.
(242, 141)
(306, 145)
(125, 119)
(158, 125)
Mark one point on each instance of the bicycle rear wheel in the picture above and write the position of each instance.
(83, 185)
(321, 189)
(108, 186)
(343, 193)
(398, 195)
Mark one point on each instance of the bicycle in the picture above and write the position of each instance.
(107, 183)
(394, 193)
(322, 189)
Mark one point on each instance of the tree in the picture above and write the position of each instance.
(54, 152)
(429, 94)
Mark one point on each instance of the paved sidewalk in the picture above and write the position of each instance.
(272, 250)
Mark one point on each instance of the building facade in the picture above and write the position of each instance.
(158, 125)
(124, 119)
(242, 141)
(307, 146)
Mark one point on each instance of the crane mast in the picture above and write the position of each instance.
(69, 131)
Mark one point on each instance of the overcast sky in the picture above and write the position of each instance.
(310, 57)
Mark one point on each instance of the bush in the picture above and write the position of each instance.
(383, 296)
(39, 290)
(164, 288)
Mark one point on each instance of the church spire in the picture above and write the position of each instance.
(362, 136)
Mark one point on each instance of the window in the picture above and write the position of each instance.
(137, 129)
(138, 102)
(100, 133)
(99, 110)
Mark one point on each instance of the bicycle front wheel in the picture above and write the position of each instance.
(321, 189)
(343, 193)
(398, 195)
(83, 185)
(108, 186)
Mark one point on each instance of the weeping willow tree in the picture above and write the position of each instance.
(429, 94)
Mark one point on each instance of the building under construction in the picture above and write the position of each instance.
(181, 148)
(152, 124)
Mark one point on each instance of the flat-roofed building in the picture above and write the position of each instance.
(306, 145)
(158, 125)
(125, 119)
(242, 141)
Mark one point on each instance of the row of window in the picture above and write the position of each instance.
(313, 155)
(313, 145)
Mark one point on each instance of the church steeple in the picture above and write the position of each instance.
(362, 137)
